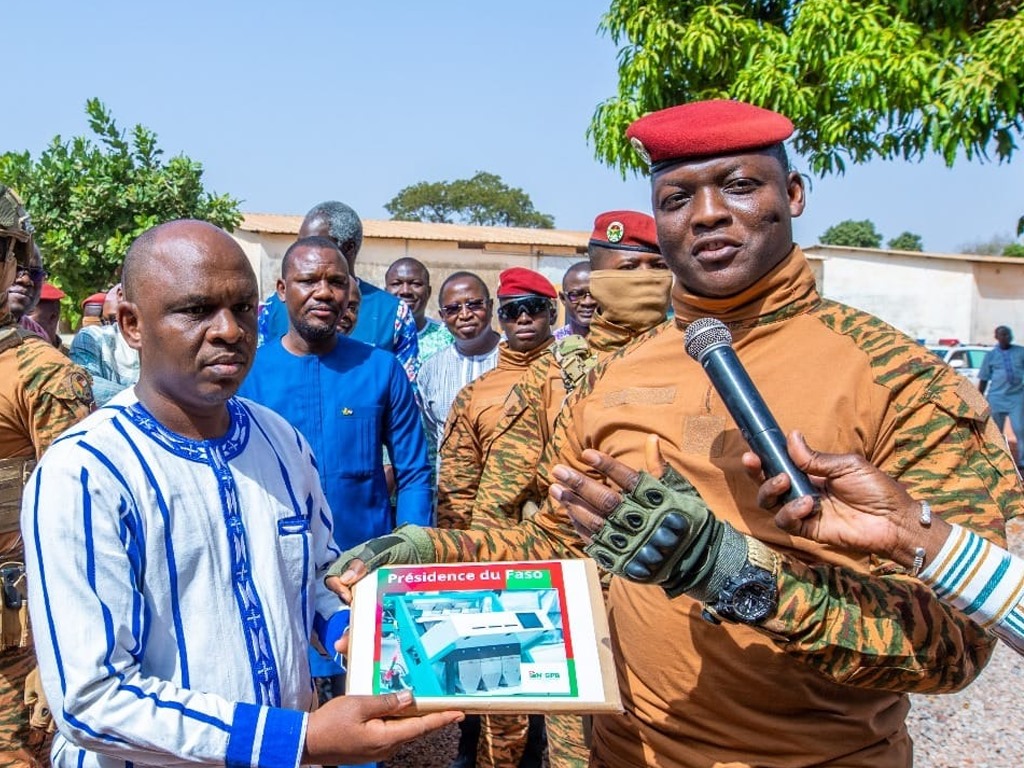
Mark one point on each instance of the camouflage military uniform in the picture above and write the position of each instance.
(41, 395)
(822, 682)
(492, 442)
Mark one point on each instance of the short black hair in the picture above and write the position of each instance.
(410, 262)
(463, 275)
(315, 241)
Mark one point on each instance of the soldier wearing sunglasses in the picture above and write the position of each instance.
(476, 490)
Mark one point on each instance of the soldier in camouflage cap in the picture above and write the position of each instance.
(41, 394)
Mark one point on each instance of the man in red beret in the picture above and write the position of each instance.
(47, 313)
(629, 279)
(92, 309)
(724, 663)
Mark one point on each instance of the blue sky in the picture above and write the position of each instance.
(287, 104)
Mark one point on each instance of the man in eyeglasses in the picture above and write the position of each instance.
(467, 309)
(577, 300)
(41, 395)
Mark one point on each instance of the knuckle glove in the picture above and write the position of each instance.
(661, 533)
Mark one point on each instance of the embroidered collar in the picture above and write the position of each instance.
(230, 445)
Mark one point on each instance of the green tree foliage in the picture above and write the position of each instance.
(860, 80)
(1014, 249)
(90, 197)
(906, 241)
(484, 200)
(856, 234)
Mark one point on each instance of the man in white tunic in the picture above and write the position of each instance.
(176, 542)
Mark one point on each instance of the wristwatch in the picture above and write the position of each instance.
(751, 596)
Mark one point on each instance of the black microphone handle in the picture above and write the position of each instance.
(756, 423)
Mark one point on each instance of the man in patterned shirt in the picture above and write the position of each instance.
(408, 280)
(736, 691)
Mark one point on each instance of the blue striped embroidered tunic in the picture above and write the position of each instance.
(983, 581)
(174, 587)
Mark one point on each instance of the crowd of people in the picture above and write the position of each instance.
(189, 491)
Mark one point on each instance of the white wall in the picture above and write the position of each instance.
(925, 298)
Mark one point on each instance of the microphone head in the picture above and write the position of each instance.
(705, 333)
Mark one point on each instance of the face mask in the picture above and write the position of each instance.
(633, 298)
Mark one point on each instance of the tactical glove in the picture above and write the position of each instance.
(406, 545)
(661, 533)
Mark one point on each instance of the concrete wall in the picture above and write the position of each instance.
(998, 300)
(926, 299)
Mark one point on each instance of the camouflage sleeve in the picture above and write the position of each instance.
(547, 535)
(460, 458)
(509, 476)
(886, 632)
(885, 629)
(56, 394)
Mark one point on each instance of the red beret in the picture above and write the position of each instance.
(625, 230)
(51, 292)
(704, 128)
(519, 281)
(96, 298)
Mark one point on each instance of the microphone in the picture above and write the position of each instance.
(709, 342)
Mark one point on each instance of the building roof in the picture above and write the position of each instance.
(819, 250)
(278, 224)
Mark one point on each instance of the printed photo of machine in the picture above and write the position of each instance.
(473, 643)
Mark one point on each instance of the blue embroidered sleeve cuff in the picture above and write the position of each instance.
(265, 737)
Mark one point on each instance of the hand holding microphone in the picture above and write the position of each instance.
(709, 342)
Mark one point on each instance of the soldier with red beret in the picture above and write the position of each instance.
(473, 490)
(737, 644)
(47, 313)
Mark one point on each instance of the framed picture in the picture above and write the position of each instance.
(485, 637)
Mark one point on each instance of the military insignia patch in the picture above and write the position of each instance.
(615, 232)
(641, 149)
(80, 386)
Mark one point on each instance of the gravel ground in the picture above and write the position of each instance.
(980, 727)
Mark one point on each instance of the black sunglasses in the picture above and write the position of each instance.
(473, 305)
(531, 305)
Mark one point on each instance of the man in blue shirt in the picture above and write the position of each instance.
(347, 398)
(384, 321)
(1001, 379)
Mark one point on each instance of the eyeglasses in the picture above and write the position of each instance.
(531, 305)
(35, 274)
(473, 305)
(574, 296)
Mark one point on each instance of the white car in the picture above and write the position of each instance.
(965, 358)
